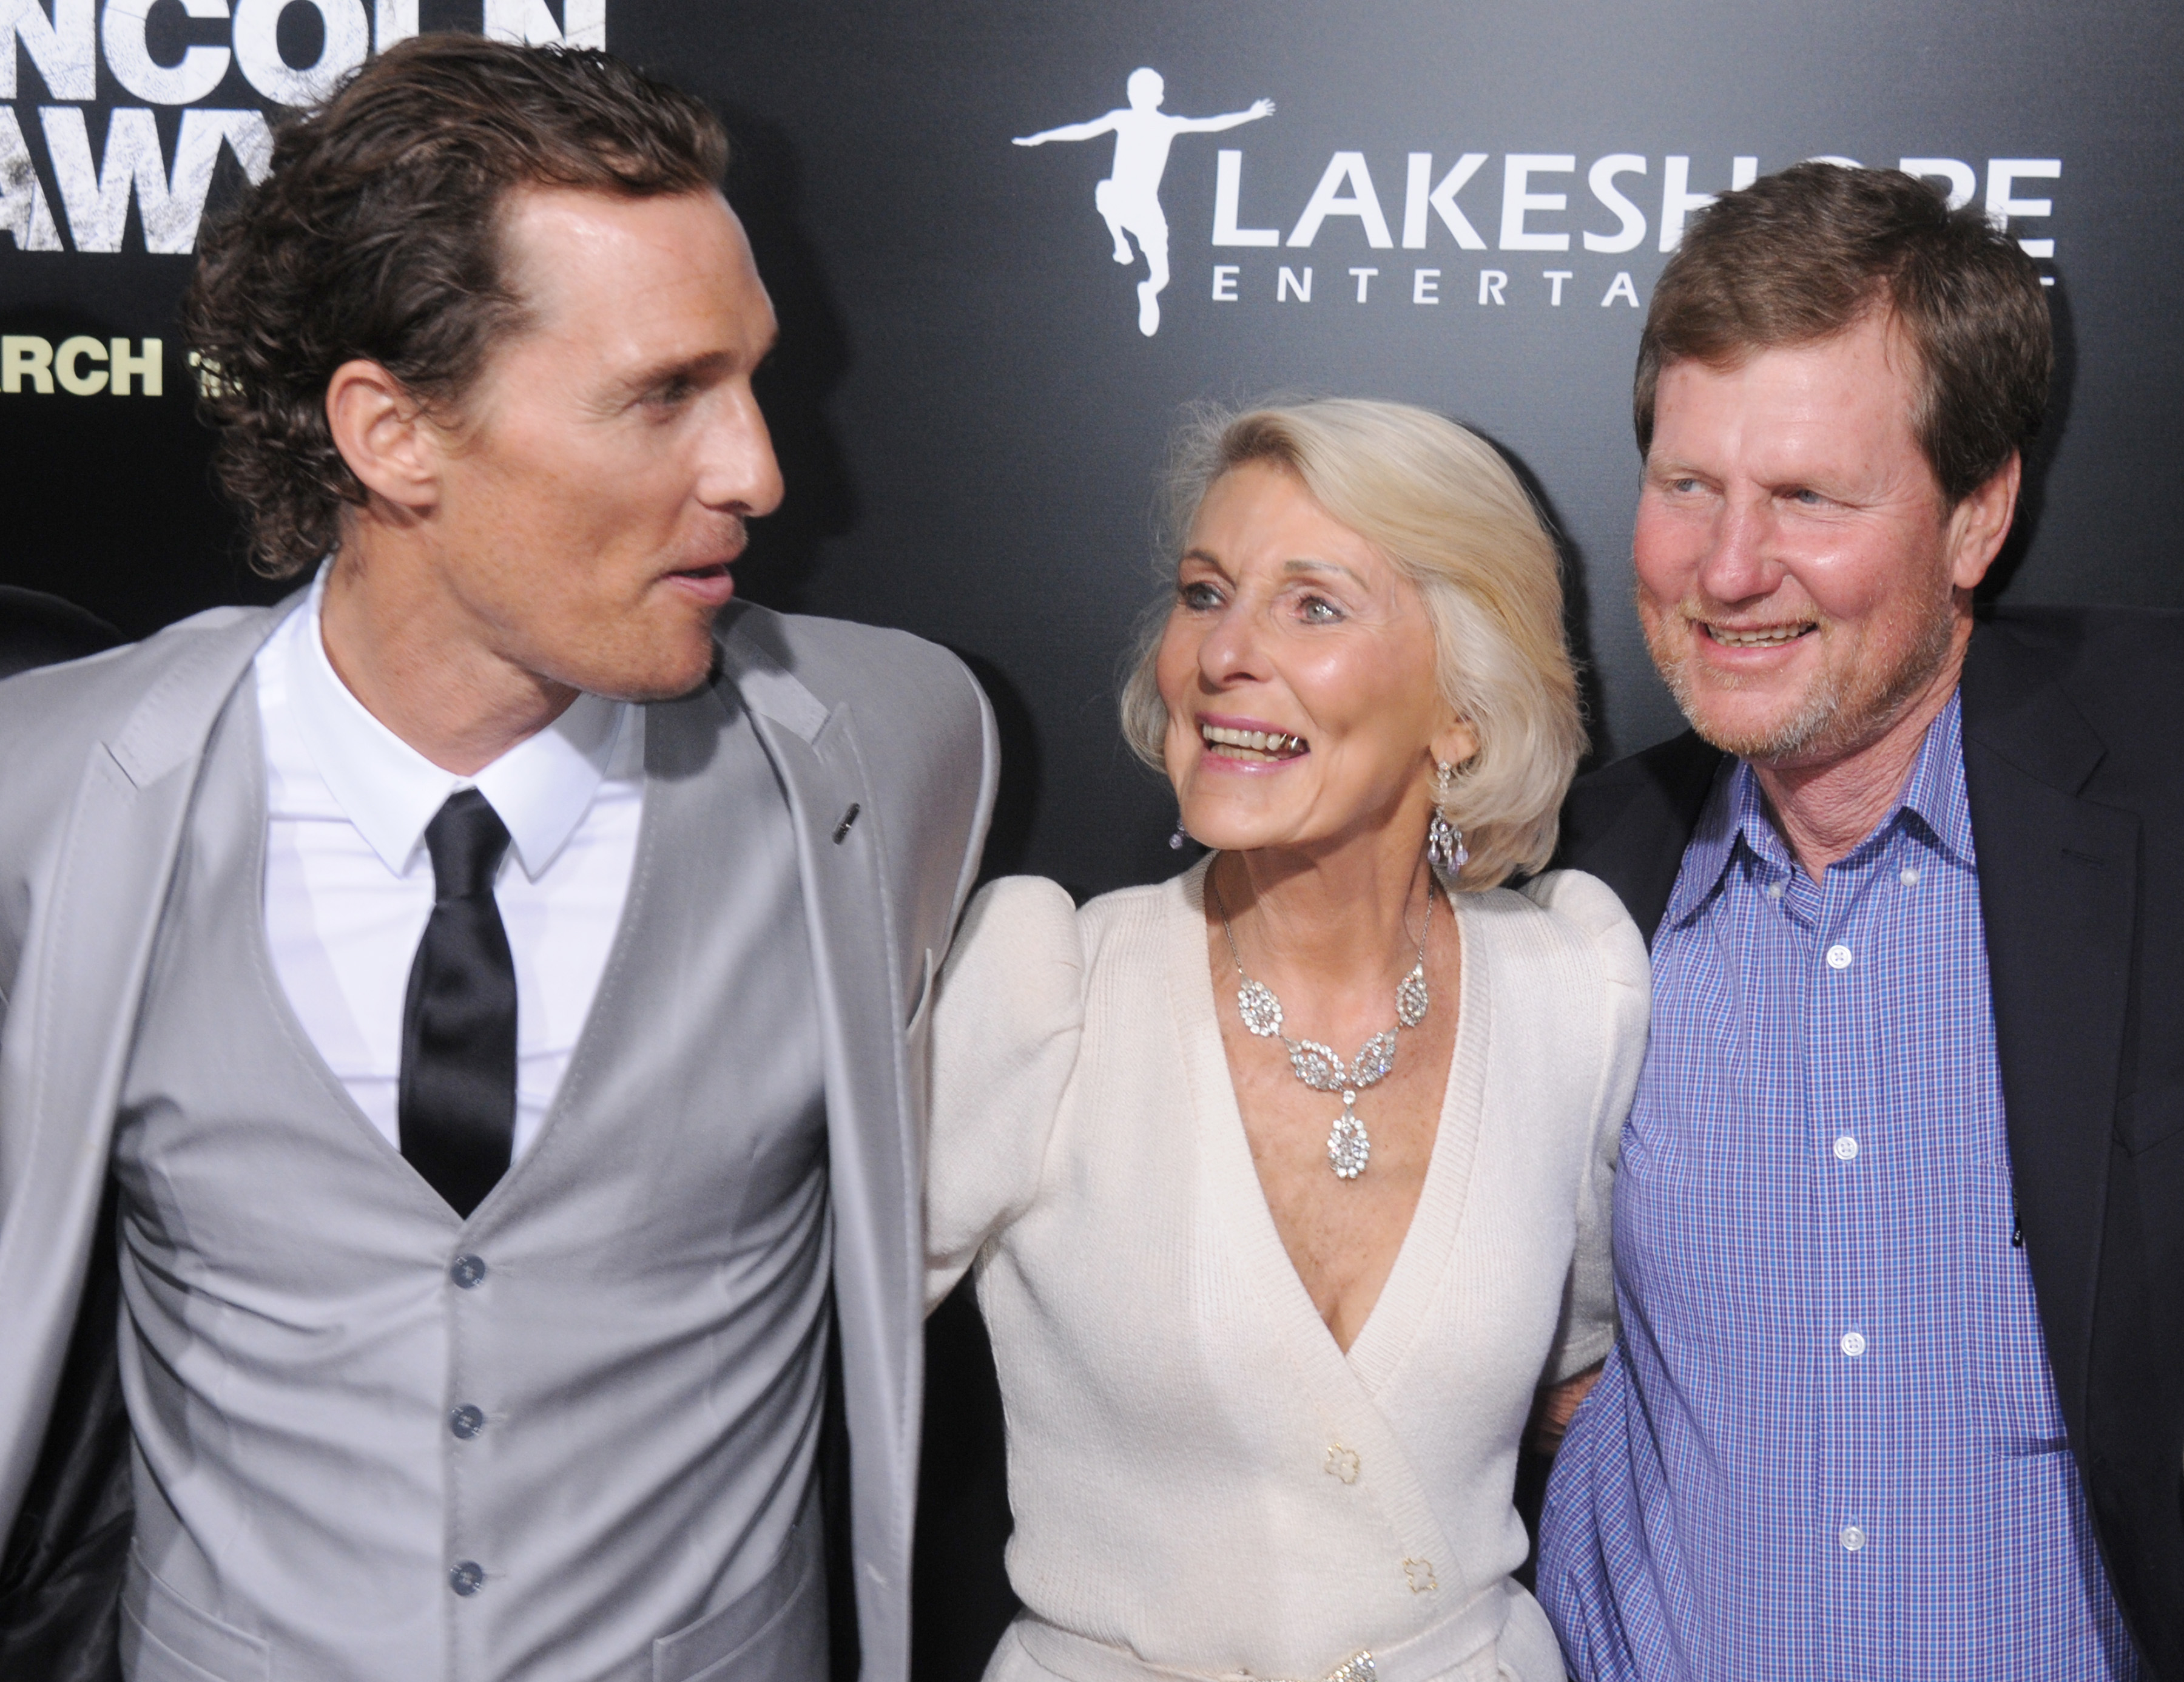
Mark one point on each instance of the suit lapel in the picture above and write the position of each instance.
(1628, 825)
(874, 1162)
(72, 1021)
(2059, 892)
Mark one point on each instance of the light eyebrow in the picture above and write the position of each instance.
(1308, 566)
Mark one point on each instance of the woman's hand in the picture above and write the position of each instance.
(1556, 1405)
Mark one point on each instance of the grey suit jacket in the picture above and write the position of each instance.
(887, 751)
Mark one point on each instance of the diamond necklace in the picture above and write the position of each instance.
(1348, 1144)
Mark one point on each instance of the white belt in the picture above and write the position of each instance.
(1458, 1649)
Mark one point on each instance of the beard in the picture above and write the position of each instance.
(1843, 708)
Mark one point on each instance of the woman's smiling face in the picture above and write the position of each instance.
(1297, 669)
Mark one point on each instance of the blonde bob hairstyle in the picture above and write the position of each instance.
(1447, 512)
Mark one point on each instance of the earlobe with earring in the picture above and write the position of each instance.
(1175, 841)
(1444, 846)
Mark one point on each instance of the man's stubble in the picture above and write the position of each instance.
(1836, 715)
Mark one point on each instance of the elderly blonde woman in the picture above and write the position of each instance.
(1286, 1181)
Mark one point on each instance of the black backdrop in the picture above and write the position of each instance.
(969, 419)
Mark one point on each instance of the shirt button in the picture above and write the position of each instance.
(1853, 1539)
(467, 1271)
(1838, 957)
(467, 1577)
(1773, 890)
(467, 1422)
(1845, 1148)
(1909, 876)
(1854, 1345)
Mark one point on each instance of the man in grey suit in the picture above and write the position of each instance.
(479, 1002)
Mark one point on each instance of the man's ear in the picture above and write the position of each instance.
(384, 435)
(1979, 524)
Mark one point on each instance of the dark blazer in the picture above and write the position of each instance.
(2074, 763)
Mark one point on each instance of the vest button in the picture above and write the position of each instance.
(468, 1271)
(467, 1422)
(466, 1578)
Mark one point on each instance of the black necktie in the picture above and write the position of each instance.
(458, 1099)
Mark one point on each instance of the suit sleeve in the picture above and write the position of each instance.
(1587, 1331)
(989, 780)
(1008, 1017)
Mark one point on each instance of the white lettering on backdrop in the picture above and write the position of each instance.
(100, 162)
(1536, 213)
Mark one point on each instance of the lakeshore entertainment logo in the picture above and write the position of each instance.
(153, 56)
(1441, 194)
(1129, 199)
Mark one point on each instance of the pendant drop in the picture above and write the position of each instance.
(1348, 1146)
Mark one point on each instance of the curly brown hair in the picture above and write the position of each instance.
(1803, 254)
(376, 236)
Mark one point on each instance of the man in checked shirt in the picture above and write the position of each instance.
(1899, 1222)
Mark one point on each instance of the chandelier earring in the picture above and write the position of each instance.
(1444, 846)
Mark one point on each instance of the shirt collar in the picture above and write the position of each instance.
(1735, 818)
(1934, 794)
(540, 787)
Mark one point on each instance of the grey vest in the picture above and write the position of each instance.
(571, 1438)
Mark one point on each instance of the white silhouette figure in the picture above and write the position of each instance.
(1129, 199)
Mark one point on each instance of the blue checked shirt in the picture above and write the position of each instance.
(1827, 1444)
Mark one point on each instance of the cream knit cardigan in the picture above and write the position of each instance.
(1204, 1485)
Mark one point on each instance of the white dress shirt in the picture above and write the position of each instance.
(349, 882)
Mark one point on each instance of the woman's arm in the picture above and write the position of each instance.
(1587, 1331)
(1008, 1014)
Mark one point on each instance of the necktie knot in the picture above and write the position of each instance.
(467, 841)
